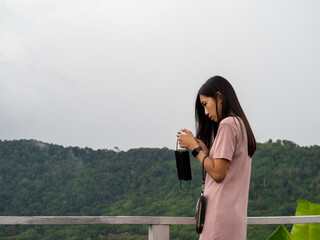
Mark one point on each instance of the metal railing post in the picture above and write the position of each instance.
(159, 232)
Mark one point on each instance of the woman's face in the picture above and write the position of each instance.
(210, 108)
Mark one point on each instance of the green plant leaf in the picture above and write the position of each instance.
(280, 234)
(306, 231)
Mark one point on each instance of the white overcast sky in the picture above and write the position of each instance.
(125, 73)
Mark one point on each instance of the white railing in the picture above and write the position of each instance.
(158, 226)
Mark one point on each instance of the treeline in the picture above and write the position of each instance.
(40, 179)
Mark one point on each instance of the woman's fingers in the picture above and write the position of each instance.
(183, 139)
(182, 142)
(186, 131)
(186, 139)
(182, 145)
(201, 144)
(199, 141)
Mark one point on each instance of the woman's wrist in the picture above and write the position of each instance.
(193, 146)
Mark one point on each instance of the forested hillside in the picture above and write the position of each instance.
(45, 179)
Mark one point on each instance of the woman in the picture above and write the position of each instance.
(224, 135)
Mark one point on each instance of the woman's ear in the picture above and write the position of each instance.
(219, 96)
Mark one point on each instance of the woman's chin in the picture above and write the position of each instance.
(213, 119)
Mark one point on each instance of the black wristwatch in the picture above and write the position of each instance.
(196, 151)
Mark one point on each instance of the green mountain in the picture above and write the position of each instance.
(37, 179)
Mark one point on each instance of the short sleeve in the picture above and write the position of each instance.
(225, 142)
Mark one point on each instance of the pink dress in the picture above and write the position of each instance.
(226, 210)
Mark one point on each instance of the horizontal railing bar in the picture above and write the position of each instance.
(90, 220)
(84, 220)
(284, 220)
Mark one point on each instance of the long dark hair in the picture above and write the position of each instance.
(207, 129)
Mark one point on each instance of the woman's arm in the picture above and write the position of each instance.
(203, 146)
(216, 168)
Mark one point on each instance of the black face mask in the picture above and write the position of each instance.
(183, 164)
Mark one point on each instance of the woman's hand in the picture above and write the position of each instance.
(203, 146)
(187, 140)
